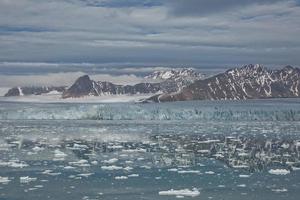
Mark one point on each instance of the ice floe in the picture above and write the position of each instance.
(86, 175)
(4, 180)
(133, 175)
(189, 172)
(183, 192)
(27, 179)
(112, 167)
(279, 171)
(110, 161)
(279, 190)
(121, 177)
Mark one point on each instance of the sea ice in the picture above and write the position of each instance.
(4, 180)
(183, 192)
(244, 176)
(280, 190)
(121, 177)
(133, 175)
(112, 167)
(27, 179)
(86, 175)
(189, 172)
(110, 161)
(279, 171)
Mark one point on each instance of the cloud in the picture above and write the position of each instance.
(205, 7)
(118, 34)
(63, 79)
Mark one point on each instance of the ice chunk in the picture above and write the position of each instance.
(189, 172)
(279, 171)
(27, 179)
(280, 190)
(241, 185)
(121, 177)
(172, 170)
(110, 161)
(86, 175)
(183, 192)
(4, 180)
(133, 175)
(112, 167)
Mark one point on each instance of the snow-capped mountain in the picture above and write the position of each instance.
(84, 86)
(22, 91)
(187, 73)
(247, 82)
(171, 81)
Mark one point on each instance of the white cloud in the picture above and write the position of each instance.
(62, 79)
(70, 31)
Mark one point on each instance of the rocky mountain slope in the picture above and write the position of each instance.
(84, 86)
(22, 91)
(247, 82)
(165, 81)
(169, 81)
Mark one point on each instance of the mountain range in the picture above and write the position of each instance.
(246, 82)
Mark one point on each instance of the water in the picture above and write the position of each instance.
(202, 150)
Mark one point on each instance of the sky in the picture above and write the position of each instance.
(129, 36)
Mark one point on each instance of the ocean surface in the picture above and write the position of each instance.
(193, 150)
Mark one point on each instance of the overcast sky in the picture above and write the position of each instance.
(47, 36)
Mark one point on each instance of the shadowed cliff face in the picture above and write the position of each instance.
(247, 82)
(82, 86)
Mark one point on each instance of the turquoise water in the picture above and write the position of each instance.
(215, 150)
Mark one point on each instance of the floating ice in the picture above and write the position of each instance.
(112, 167)
(4, 180)
(121, 177)
(27, 179)
(86, 175)
(80, 163)
(210, 172)
(241, 185)
(110, 161)
(128, 168)
(279, 190)
(58, 153)
(94, 162)
(69, 167)
(133, 175)
(244, 176)
(50, 173)
(279, 171)
(172, 170)
(13, 163)
(38, 186)
(183, 192)
(36, 148)
(189, 172)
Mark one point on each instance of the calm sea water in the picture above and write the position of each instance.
(192, 150)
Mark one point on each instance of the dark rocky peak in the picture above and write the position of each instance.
(83, 81)
(82, 86)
